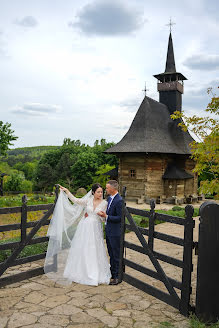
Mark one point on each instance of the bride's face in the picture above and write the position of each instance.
(98, 193)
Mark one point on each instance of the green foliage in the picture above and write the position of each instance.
(99, 177)
(73, 165)
(26, 186)
(44, 176)
(33, 250)
(27, 251)
(176, 211)
(28, 168)
(176, 208)
(16, 200)
(6, 137)
(13, 183)
(206, 151)
(5, 168)
(194, 322)
(84, 169)
(26, 154)
(165, 324)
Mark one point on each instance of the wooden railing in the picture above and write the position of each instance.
(25, 239)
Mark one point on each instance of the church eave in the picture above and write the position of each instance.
(181, 77)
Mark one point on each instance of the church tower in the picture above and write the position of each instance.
(154, 154)
(170, 83)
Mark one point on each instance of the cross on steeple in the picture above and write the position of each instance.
(170, 24)
(145, 90)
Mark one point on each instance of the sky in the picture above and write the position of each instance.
(76, 68)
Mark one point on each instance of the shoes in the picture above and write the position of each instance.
(114, 281)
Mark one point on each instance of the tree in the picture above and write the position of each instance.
(28, 168)
(73, 164)
(99, 175)
(63, 169)
(14, 183)
(44, 176)
(84, 169)
(205, 151)
(6, 136)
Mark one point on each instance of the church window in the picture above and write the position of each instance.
(132, 173)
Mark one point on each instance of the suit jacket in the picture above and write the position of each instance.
(113, 225)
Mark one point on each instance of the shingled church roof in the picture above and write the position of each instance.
(153, 131)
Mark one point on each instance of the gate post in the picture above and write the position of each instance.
(151, 224)
(207, 290)
(187, 261)
(24, 218)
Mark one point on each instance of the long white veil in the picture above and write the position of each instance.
(61, 231)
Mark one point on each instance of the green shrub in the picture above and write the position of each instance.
(177, 208)
(26, 186)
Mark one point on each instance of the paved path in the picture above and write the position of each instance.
(39, 303)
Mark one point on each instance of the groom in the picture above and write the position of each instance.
(113, 216)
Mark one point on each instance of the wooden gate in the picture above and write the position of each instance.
(181, 300)
(26, 239)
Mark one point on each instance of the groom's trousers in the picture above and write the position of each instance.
(113, 246)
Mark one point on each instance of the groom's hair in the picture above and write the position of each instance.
(114, 184)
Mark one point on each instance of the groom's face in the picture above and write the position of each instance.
(109, 189)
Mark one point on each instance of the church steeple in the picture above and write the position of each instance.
(170, 83)
(170, 62)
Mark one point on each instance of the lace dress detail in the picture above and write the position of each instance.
(87, 261)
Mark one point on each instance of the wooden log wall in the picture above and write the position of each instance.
(148, 182)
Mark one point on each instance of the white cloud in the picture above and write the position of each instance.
(108, 18)
(36, 109)
(95, 71)
(203, 62)
(27, 21)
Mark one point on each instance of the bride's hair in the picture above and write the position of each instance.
(95, 187)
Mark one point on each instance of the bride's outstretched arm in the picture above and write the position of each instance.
(72, 197)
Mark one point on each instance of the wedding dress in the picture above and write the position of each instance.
(76, 250)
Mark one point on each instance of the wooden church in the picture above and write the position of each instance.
(154, 155)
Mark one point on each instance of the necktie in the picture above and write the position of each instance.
(109, 202)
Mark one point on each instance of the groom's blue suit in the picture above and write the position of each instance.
(113, 233)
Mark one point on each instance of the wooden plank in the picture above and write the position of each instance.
(40, 207)
(30, 208)
(150, 273)
(34, 223)
(10, 210)
(152, 257)
(17, 226)
(28, 259)
(138, 212)
(160, 235)
(151, 290)
(159, 256)
(9, 227)
(171, 219)
(21, 276)
(12, 245)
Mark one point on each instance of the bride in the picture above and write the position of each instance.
(76, 250)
